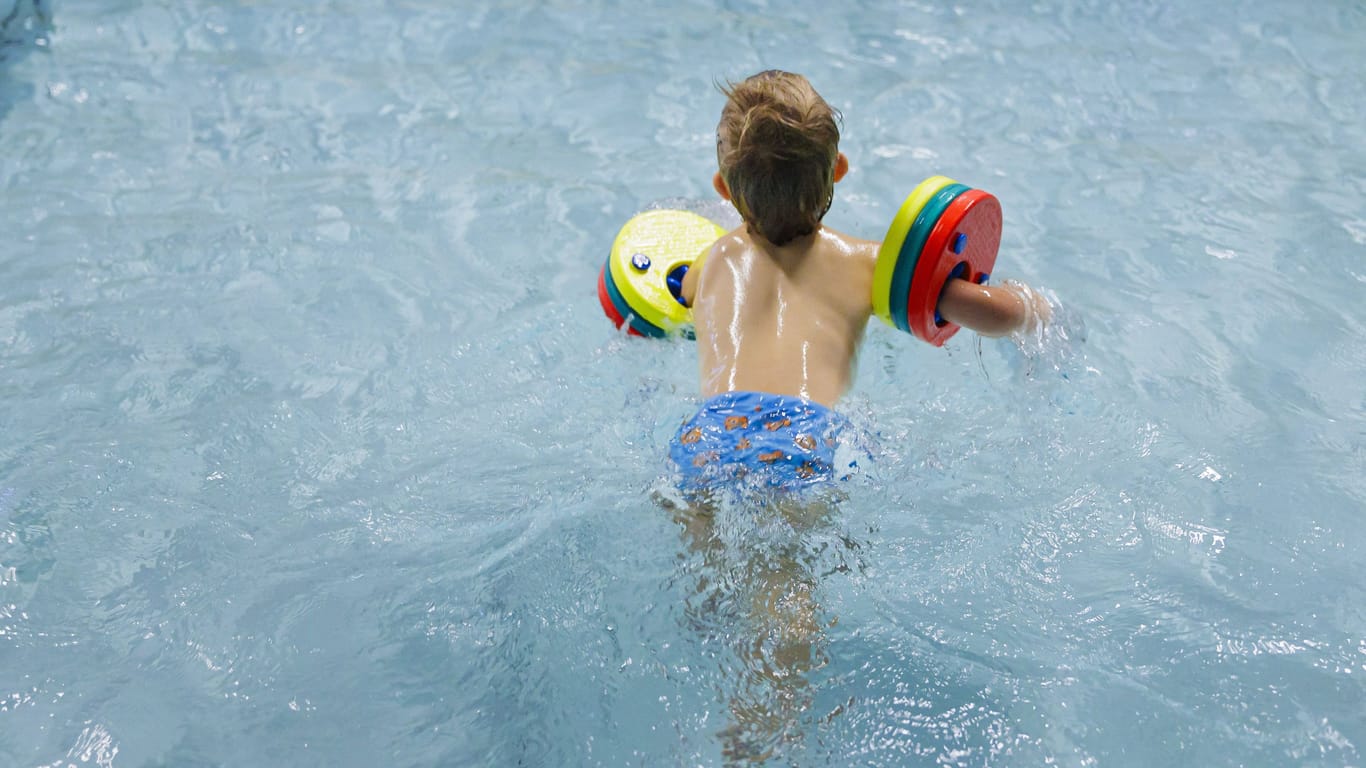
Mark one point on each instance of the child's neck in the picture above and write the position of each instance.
(799, 243)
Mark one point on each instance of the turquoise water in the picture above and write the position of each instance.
(317, 449)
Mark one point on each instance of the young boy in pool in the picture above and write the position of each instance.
(780, 304)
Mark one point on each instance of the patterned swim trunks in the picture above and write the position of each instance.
(777, 440)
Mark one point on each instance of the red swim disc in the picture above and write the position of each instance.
(608, 307)
(962, 244)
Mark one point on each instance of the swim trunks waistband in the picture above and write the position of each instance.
(779, 440)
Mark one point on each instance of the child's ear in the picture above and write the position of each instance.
(719, 184)
(841, 166)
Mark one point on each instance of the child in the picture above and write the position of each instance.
(780, 304)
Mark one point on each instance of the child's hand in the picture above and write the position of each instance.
(1038, 312)
(1051, 337)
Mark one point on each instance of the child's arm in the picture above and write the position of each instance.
(688, 291)
(993, 310)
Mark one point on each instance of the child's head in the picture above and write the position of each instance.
(777, 146)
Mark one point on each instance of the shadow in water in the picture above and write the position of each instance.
(24, 27)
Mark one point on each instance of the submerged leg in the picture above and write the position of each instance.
(778, 630)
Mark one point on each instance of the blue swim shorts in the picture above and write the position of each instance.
(776, 440)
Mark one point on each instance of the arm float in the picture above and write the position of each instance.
(944, 230)
(639, 285)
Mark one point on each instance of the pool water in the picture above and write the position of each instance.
(318, 450)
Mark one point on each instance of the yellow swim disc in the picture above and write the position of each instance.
(896, 236)
(651, 246)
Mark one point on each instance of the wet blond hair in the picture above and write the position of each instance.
(776, 146)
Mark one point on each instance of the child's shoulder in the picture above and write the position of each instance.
(841, 245)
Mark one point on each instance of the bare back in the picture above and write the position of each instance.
(782, 319)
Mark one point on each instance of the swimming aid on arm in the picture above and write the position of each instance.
(639, 285)
(944, 230)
